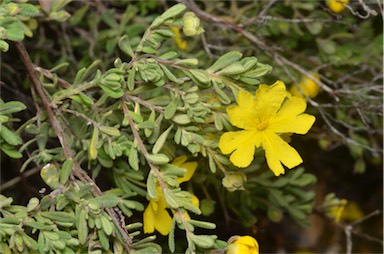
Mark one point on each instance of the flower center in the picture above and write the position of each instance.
(263, 125)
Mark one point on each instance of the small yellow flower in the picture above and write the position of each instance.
(352, 212)
(337, 210)
(337, 6)
(308, 87)
(156, 216)
(242, 245)
(180, 43)
(264, 118)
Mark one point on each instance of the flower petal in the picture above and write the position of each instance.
(243, 144)
(290, 118)
(235, 248)
(269, 99)
(156, 216)
(163, 222)
(244, 114)
(179, 160)
(190, 167)
(149, 220)
(249, 241)
(277, 151)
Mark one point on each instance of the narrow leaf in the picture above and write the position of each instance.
(66, 171)
(225, 60)
(161, 140)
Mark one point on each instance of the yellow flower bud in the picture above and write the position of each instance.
(191, 24)
(242, 245)
(337, 6)
(307, 86)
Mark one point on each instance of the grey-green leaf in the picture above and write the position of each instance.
(161, 140)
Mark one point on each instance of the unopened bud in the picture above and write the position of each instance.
(234, 181)
(191, 24)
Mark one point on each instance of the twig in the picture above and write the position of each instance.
(348, 230)
(77, 170)
(17, 179)
(143, 149)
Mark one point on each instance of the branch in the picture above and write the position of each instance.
(76, 170)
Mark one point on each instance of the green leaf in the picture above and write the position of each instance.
(11, 107)
(4, 46)
(170, 199)
(326, 45)
(169, 55)
(28, 10)
(131, 79)
(78, 15)
(50, 175)
(212, 164)
(137, 118)
(161, 140)
(59, 216)
(181, 119)
(152, 185)
(224, 98)
(173, 11)
(32, 204)
(173, 170)
(83, 227)
(66, 170)
(114, 93)
(93, 149)
(200, 75)
(277, 197)
(189, 62)
(202, 224)
(133, 158)
(203, 241)
(147, 124)
(104, 241)
(107, 225)
(171, 236)
(304, 180)
(169, 74)
(109, 130)
(233, 69)
(125, 46)
(30, 242)
(9, 136)
(105, 201)
(15, 30)
(171, 108)
(225, 60)
(158, 159)
(11, 152)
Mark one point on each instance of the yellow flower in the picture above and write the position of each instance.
(308, 87)
(264, 119)
(337, 5)
(352, 212)
(337, 210)
(180, 43)
(156, 216)
(242, 245)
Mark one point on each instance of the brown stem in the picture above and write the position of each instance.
(77, 170)
(142, 147)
